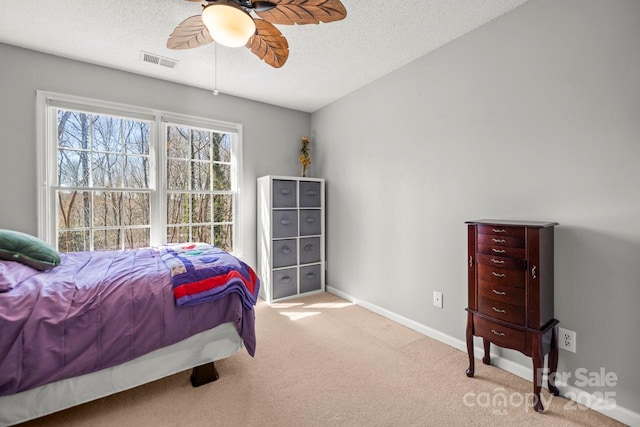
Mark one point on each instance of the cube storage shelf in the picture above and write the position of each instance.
(291, 230)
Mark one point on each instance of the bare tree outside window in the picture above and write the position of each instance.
(103, 182)
(199, 195)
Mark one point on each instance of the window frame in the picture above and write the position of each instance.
(46, 159)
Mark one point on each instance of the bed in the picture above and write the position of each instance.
(102, 322)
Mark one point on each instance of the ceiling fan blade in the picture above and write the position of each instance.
(289, 12)
(189, 33)
(269, 44)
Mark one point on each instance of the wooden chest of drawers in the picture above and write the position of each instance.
(510, 288)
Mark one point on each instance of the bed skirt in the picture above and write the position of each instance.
(210, 345)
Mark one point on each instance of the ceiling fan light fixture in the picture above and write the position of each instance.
(228, 24)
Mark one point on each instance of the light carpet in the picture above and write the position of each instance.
(322, 361)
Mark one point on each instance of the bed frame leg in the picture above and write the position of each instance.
(204, 374)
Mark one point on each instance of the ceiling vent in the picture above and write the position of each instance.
(157, 59)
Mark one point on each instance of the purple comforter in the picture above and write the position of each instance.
(96, 310)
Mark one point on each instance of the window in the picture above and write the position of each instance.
(199, 186)
(120, 177)
(102, 189)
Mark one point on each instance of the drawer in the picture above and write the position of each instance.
(501, 276)
(284, 253)
(309, 194)
(501, 241)
(310, 278)
(501, 293)
(285, 223)
(502, 311)
(285, 282)
(310, 223)
(498, 230)
(504, 251)
(500, 335)
(284, 193)
(309, 250)
(502, 262)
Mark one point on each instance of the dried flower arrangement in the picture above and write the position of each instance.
(305, 158)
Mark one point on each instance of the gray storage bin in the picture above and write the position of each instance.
(309, 194)
(284, 253)
(310, 223)
(285, 283)
(309, 250)
(284, 193)
(310, 278)
(285, 223)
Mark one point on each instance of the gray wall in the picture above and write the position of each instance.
(534, 116)
(271, 134)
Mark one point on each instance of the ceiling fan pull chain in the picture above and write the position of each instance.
(215, 69)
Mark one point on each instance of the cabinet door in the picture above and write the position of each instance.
(310, 194)
(284, 193)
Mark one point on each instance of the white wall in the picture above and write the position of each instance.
(534, 116)
(271, 134)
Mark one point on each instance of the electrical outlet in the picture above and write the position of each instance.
(567, 340)
(437, 299)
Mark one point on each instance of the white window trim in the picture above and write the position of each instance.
(46, 158)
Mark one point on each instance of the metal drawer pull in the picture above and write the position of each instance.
(499, 251)
(470, 261)
(497, 261)
(500, 334)
(497, 274)
(499, 241)
(498, 292)
(533, 271)
(498, 310)
(499, 230)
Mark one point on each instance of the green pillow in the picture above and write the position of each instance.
(28, 250)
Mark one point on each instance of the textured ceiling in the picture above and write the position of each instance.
(326, 61)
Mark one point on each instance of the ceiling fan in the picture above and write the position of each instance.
(249, 23)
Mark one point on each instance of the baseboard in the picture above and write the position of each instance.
(580, 396)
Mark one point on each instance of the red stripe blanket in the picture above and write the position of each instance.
(202, 272)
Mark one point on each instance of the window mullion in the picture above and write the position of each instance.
(91, 182)
(158, 170)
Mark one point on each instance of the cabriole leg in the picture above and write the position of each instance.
(486, 359)
(553, 363)
(538, 358)
(471, 368)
